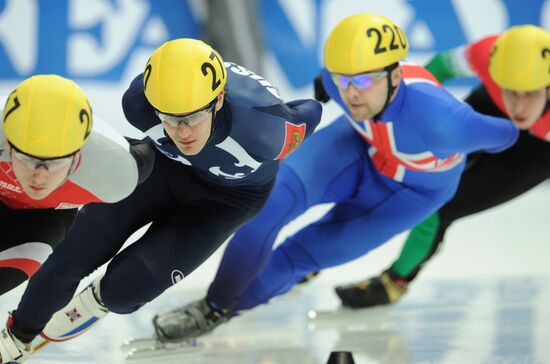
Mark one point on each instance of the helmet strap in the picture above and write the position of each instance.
(391, 90)
(73, 166)
(212, 124)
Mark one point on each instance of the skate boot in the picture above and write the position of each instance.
(375, 291)
(80, 314)
(188, 322)
(12, 350)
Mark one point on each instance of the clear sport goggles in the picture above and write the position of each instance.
(361, 81)
(50, 164)
(193, 119)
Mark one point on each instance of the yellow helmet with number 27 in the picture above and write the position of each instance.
(183, 75)
(47, 116)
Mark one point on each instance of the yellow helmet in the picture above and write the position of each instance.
(183, 75)
(520, 59)
(364, 42)
(47, 116)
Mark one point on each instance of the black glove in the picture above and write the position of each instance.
(320, 92)
(144, 156)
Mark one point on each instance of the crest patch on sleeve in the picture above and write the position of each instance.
(294, 135)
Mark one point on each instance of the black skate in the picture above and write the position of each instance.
(188, 322)
(376, 291)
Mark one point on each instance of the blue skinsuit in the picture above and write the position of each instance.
(384, 177)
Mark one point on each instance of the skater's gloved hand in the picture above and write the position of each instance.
(320, 92)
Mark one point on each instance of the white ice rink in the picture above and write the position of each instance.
(485, 298)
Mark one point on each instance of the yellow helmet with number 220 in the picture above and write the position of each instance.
(183, 76)
(364, 42)
(520, 59)
(47, 116)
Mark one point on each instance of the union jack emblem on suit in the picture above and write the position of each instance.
(391, 162)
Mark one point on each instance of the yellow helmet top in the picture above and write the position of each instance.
(183, 75)
(364, 42)
(520, 59)
(47, 116)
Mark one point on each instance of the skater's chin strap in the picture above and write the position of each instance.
(391, 89)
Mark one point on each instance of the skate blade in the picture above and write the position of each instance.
(150, 348)
(139, 343)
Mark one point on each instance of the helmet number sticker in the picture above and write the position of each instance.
(209, 66)
(85, 118)
(493, 51)
(15, 106)
(545, 52)
(393, 44)
(147, 74)
(401, 36)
